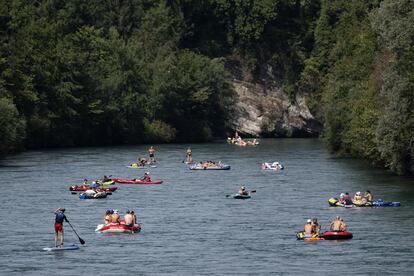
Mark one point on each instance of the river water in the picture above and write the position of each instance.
(189, 227)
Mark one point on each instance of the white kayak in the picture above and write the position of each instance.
(65, 247)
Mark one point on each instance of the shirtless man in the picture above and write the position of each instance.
(135, 217)
(243, 191)
(189, 158)
(337, 224)
(129, 219)
(308, 229)
(151, 153)
(115, 217)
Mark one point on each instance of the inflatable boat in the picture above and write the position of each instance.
(118, 228)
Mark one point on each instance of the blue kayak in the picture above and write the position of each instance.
(65, 247)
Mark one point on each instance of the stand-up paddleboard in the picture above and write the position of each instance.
(65, 247)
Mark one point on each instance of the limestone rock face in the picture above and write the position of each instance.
(269, 112)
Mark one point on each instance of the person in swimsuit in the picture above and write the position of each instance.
(129, 219)
(115, 217)
(368, 196)
(60, 217)
(146, 177)
(151, 152)
(316, 228)
(189, 158)
(108, 216)
(243, 191)
(85, 183)
(135, 217)
(308, 229)
(338, 225)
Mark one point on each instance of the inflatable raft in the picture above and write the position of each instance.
(138, 166)
(118, 228)
(334, 202)
(204, 168)
(274, 166)
(76, 188)
(96, 195)
(136, 181)
(336, 235)
(308, 237)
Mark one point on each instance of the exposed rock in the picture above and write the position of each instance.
(269, 112)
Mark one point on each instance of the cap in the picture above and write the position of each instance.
(147, 173)
(309, 220)
(342, 195)
(358, 193)
(116, 211)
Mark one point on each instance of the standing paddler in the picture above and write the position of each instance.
(60, 216)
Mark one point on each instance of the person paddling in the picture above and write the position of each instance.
(243, 191)
(146, 177)
(60, 217)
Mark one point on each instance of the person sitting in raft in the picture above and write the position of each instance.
(368, 196)
(146, 177)
(316, 228)
(85, 183)
(347, 199)
(134, 216)
(115, 217)
(129, 219)
(358, 200)
(243, 191)
(105, 179)
(342, 198)
(308, 229)
(108, 216)
(338, 225)
(142, 161)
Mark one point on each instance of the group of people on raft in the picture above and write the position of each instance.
(312, 227)
(210, 164)
(237, 140)
(112, 216)
(358, 199)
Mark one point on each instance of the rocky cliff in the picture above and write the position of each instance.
(269, 112)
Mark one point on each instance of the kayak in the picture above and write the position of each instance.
(334, 202)
(200, 167)
(97, 195)
(137, 181)
(76, 188)
(239, 196)
(336, 235)
(308, 237)
(118, 228)
(137, 166)
(65, 247)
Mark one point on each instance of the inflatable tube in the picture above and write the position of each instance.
(108, 182)
(76, 188)
(138, 166)
(336, 235)
(126, 181)
(334, 202)
(201, 168)
(272, 167)
(382, 203)
(118, 228)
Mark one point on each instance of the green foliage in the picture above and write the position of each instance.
(12, 127)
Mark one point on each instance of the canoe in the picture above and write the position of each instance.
(334, 202)
(65, 247)
(239, 196)
(76, 188)
(118, 228)
(97, 195)
(126, 181)
(201, 168)
(337, 235)
(308, 237)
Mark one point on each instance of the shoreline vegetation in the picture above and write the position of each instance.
(75, 73)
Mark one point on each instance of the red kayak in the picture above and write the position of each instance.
(137, 181)
(84, 188)
(118, 228)
(334, 235)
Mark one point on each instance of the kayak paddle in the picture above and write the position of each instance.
(80, 240)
